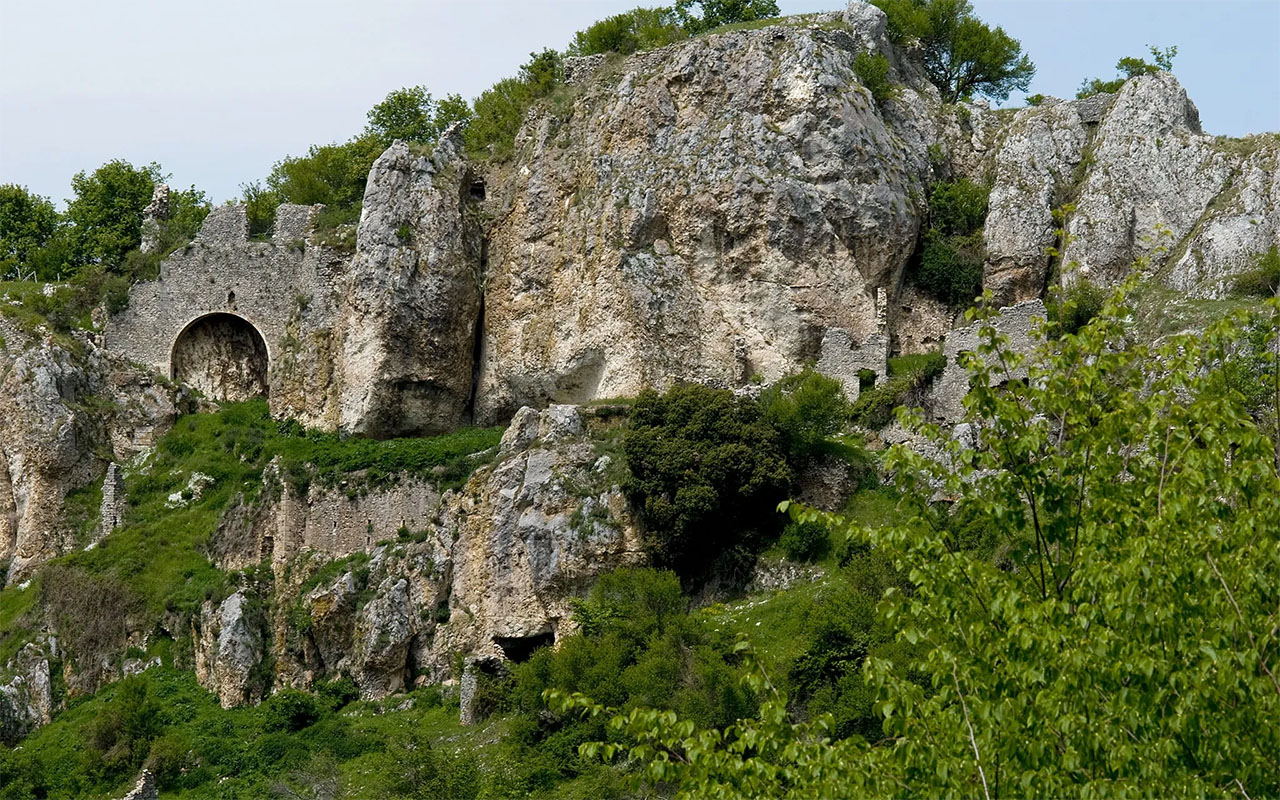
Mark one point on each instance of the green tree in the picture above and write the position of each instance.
(106, 213)
(1127, 640)
(27, 224)
(807, 408)
(714, 13)
(501, 109)
(706, 472)
(1130, 67)
(962, 56)
(406, 114)
(637, 29)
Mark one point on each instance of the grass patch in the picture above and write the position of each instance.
(158, 557)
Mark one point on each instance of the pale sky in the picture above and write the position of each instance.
(217, 92)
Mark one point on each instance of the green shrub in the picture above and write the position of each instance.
(501, 109)
(290, 710)
(958, 208)
(1264, 279)
(951, 268)
(714, 14)
(872, 70)
(1074, 307)
(929, 365)
(706, 474)
(804, 541)
(950, 261)
(1130, 67)
(629, 32)
(909, 375)
(1036, 99)
(807, 408)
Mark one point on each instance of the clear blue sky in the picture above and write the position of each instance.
(217, 92)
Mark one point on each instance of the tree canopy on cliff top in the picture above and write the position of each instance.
(962, 55)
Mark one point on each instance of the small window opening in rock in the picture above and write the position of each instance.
(477, 190)
(520, 648)
(231, 298)
(866, 380)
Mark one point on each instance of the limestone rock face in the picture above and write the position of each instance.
(1154, 168)
(705, 212)
(1033, 170)
(488, 571)
(531, 530)
(52, 425)
(413, 298)
(26, 694)
(229, 648)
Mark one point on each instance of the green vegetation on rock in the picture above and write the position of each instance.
(962, 56)
(1130, 67)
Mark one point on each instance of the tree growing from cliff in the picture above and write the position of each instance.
(1130, 67)
(962, 56)
(1126, 638)
(106, 213)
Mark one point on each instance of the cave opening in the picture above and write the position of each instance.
(223, 356)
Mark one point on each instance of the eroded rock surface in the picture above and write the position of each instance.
(414, 297)
(704, 212)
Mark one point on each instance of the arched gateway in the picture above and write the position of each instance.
(223, 355)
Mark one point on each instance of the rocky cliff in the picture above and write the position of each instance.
(722, 210)
(486, 571)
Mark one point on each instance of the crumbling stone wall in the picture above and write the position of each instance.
(845, 361)
(1014, 322)
(285, 290)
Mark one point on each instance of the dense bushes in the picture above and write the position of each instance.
(950, 262)
(501, 109)
(807, 408)
(908, 375)
(629, 32)
(707, 471)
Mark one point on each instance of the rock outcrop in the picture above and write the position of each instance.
(703, 212)
(63, 402)
(486, 570)
(413, 298)
(1146, 183)
(26, 697)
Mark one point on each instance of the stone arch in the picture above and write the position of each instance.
(223, 355)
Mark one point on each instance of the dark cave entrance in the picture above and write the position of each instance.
(223, 356)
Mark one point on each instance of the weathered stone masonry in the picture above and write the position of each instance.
(223, 291)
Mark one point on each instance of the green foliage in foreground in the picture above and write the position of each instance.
(1130, 67)
(1127, 639)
